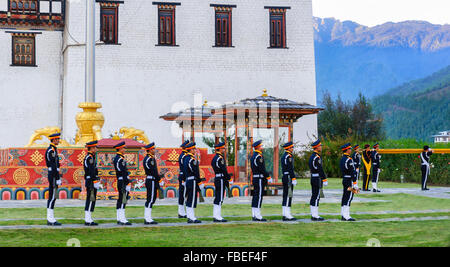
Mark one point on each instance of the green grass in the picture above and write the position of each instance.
(393, 202)
(255, 235)
(336, 183)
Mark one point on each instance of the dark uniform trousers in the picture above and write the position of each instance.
(219, 184)
(425, 173)
(316, 184)
(151, 185)
(122, 194)
(259, 183)
(52, 162)
(191, 192)
(347, 196)
(287, 201)
(181, 179)
(90, 204)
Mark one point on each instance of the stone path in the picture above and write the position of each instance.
(300, 196)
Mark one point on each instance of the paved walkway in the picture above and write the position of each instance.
(300, 196)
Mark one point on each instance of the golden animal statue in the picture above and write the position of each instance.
(132, 132)
(39, 133)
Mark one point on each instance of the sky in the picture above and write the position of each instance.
(375, 12)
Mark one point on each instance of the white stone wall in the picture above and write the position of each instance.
(29, 96)
(137, 82)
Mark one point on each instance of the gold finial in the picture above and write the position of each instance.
(265, 92)
(116, 136)
(205, 103)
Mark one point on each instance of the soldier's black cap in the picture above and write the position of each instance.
(355, 147)
(376, 145)
(92, 144)
(219, 145)
(150, 146)
(366, 145)
(316, 143)
(54, 136)
(257, 143)
(190, 145)
(119, 145)
(346, 146)
(288, 145)
(426, 147)
(184, 143)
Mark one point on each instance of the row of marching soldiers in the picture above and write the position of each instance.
(190, 182)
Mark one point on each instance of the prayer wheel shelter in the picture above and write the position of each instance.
(239, 124)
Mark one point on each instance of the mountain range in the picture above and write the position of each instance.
(416, 109)
(353, 58)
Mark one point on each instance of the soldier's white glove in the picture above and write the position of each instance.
(355, 186)
(128, 188)
(230, 182)
(183, 183)
(96, 185)
(202, 186)
(270, 180)
(325, 183)
(294, 182)
(161, 183)
(58, 182)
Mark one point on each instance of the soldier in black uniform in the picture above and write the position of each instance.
(91, 182)
(289, 180)
(260, 179)
(123, 187)
(357, 160)
(318, 179)
(221, 181)
(152, 182)
(54, 179)
(182, 182)
(367, 164)
(193, 182)
(376, 158)
(425, 165)
(348, 180)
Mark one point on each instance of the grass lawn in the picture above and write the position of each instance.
(336, 183)
(394, 202)
(254, 235)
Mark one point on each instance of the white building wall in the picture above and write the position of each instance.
(29, 96)
(137, 82)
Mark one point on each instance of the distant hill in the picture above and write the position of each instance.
(352, 58)
(417, 109)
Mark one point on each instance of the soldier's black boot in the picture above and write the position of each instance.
(182, 216)
(53, 223)
(194, 221)
(317, 218)
(152, 222)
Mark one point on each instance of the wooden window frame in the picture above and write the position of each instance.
(109, 15)
(22, 53)
(166, 26)
(23, 10)
(277, 27)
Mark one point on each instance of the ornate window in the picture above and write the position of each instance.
(23, 49)
(223, 25)
(166, 23)
(277, 27)
(23, 6)
(109, 24)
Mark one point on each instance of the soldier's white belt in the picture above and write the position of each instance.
(347, 176)
(315, 175)
(285, 172)
(190, 178)
(426, 164)
(220, 175)
(120, 178)
(88, 177)
(258, 176)
(150, 177)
